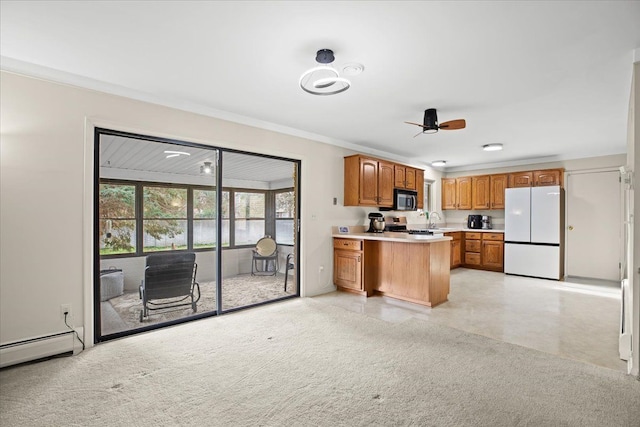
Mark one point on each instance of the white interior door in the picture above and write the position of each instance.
(593, 225)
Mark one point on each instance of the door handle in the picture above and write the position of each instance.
(570, 227)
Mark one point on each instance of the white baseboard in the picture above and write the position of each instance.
(39, 347)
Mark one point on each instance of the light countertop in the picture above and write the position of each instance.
(388, 236)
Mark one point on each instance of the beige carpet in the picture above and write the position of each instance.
(237, 291)
(304, 363)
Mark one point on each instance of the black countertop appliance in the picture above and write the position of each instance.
(474, 221)
(376, 223)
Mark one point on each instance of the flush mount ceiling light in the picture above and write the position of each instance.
(323, 79)
(171, 154)
(206, 168)
(438, 163)
(492, 147)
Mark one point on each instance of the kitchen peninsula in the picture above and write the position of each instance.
(412, 268)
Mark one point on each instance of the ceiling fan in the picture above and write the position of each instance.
(431, 123)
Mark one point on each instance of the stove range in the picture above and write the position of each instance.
(423, 232)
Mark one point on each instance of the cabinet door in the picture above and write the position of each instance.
(399, 178)
(521, 179)
(464, 192)
(492, 254)
(498, 185)
(456, 253)
(368, 182)
(385, 184)
(410, 181)
(547, 177)
(420, 187)
(480, 192)
(449, 199)
(347, 269)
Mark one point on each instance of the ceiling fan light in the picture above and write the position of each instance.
(434, 130)
(492, 147)
(439, 163)
(323, 79)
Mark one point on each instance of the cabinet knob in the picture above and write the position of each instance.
(570, 227)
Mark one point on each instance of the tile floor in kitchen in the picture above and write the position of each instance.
(572, 320)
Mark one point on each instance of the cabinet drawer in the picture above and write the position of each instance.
(472, 245)
(493, 236)
(472, 235)
(472, 258)
(348, 244)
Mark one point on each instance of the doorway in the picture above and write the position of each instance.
(175, 228)
(594, 227)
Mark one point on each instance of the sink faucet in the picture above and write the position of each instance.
(431, 218)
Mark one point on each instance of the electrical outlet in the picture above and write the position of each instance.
(65, 308)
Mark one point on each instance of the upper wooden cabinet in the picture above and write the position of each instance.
(481, 192)
(369, 181)
(547, 177)
(537, 178)
(420, 187)
(456, 193)
(498, 185)
(405, 177)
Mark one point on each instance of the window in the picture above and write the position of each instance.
(117, 219)
(428, 205)
(142, 217)
(284, 213)
(249, 217)
(164, 221)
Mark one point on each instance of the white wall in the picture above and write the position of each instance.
(46, 193)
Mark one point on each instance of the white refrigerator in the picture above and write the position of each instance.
(533, 232)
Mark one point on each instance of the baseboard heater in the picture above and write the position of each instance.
(38, 348)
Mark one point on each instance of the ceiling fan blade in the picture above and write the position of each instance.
(453, 124)
(417, 124)
(419, 133)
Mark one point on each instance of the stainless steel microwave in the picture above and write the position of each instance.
(404, 200)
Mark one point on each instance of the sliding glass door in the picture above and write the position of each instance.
(181, 231)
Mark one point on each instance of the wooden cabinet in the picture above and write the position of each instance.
(488, 191)
(472, 245)
(420, 187)
(456, 249)
(348, 264)
(368, 182)
(481, 192)
(547, 177)
(484, 250)
(537, 178)
(498, 185)
(405, 177)
(521, 179)
(493, 251)
(456, 193)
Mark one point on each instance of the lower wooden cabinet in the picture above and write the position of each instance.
(348, 264)
(456, 249)
(484, 251)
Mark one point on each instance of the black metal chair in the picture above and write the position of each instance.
(290, 266)
(265, 258)
(169, 281)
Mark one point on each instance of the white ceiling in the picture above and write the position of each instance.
(549, 80)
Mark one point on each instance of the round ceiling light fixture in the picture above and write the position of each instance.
(323, 79)
(206, 168)
(492, 147)
(439, 163)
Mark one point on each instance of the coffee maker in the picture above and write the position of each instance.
(376, 223)
(486, 222)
